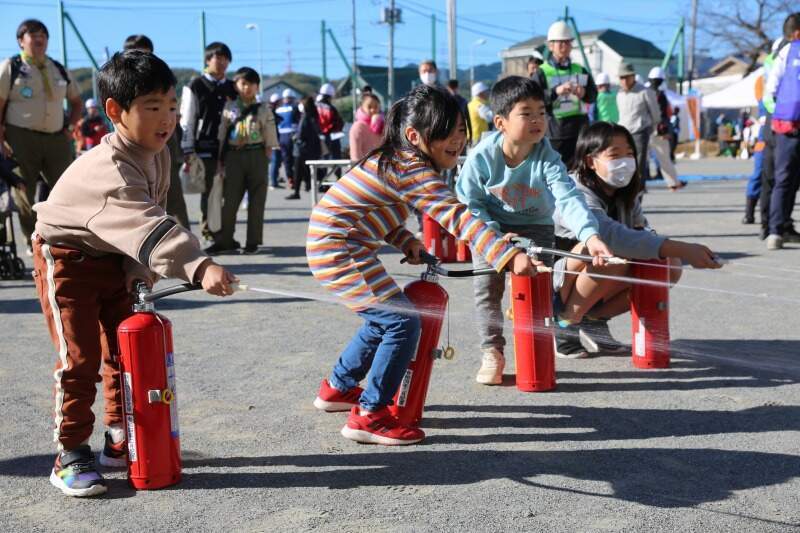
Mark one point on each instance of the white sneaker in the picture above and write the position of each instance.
(774, 242)
(492, 365)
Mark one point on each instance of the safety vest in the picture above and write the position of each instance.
(768, 100)
(787, 99)
(477, 124)
(567, 105)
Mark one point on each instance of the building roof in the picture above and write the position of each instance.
(625, 45)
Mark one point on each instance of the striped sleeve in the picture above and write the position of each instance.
(400, 238)
(421, 187)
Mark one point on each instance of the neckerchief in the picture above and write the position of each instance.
(42, 66)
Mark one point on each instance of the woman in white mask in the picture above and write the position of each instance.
(605, 171)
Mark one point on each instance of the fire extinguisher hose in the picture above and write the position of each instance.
(169, 291)
(433, 262)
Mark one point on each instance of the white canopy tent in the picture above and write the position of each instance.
(739, 95)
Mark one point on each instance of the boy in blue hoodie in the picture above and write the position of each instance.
(513, 181)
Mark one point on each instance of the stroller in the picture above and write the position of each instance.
(11, 266)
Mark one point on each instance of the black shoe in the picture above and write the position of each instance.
(748, 220)
(75, 474)
(596, 337)
(218, 248)
(764, 233)
(294, 196)
(250, 249)
(568, 344)
(790, 235)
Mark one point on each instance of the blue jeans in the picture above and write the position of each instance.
(383, 347)
(754, 183)
(787, 171)
(275, 167)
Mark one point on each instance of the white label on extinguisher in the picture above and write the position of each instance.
(404, 386)
(173, 406)
(131, 428)
(638, 339)
(127, 396)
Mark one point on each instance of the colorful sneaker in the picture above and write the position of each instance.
(492, 365)
(114, 455)
(333, 400)
(75, 474)
(379, 427)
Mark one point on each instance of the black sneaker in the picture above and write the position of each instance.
(250, 249)
(790, 235)
(293, 197)
(218, 248)
(74, 473)
(596, 337)
(568, 344)
(114, 455)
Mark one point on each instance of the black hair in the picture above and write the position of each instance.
(430, 62)
(247, 74)
(218, 49)
(31, 26)
(534, 59)
(790, 25)
(593, 140)
(432, 111)
(310, 108)
(366, 89)
(369, 96)
(138, 42)
(131, 74)
(453, 84)
(508, 91)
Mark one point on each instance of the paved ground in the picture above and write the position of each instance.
(708, 445)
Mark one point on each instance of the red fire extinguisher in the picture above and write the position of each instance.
(534, 355)
(650, 316)
(149, 406)
(442, 244)
(430, 299)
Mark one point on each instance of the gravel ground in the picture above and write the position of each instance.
(710, 444)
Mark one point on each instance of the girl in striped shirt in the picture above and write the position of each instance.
(425, 133)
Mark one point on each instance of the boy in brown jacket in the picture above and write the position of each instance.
(102, 229)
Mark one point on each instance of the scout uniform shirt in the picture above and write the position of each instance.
(256, 128)
(36, 101)
(111, 200)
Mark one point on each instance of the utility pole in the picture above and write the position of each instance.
(391, 16)
(203, 36)
(324, 56)
(288, 53)
(354, 83)
(433, 37)
(451, 38)
(692, 43)
(63, 33)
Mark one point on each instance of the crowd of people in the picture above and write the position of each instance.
(539, 167)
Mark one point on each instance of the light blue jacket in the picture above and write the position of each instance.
(525, 195)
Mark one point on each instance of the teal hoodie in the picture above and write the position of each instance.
(525, 195)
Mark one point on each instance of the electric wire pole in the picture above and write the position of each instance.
(451, 38)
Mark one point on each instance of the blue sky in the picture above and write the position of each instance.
(174, 26)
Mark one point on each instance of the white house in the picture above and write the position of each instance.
(605, 50)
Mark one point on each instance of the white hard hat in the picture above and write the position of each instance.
(318, 98)
(602, 79)
(91, 103)
(327, 89)
(536, 54)
(287, 93)
(478, 88)
(274, 97)
(559, 31)
(656, 73)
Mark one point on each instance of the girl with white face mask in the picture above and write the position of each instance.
(605, 171)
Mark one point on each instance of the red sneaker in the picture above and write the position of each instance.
(379, 427)
(333, 400)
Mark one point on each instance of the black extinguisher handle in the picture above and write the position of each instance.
(175, 289)
(434, 264)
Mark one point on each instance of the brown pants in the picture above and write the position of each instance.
(83, 299)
